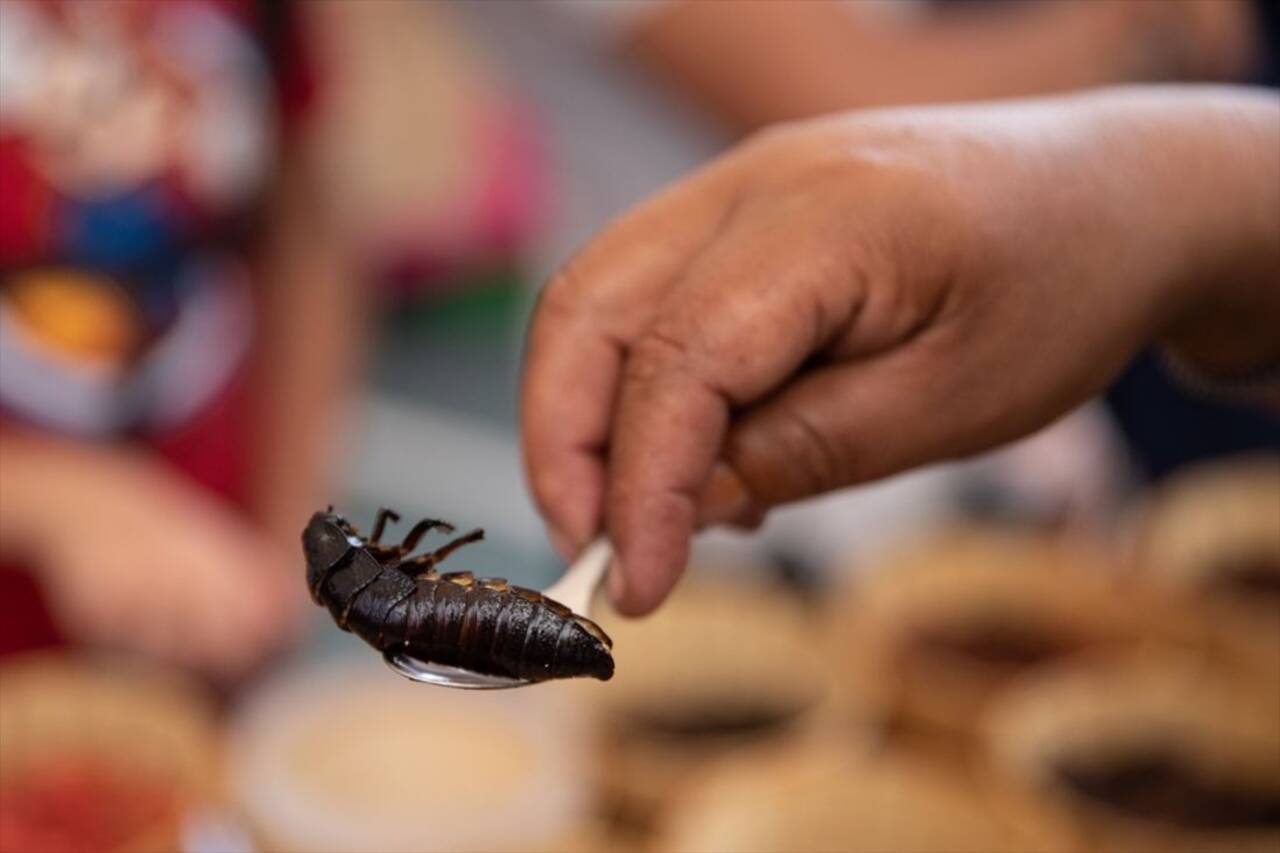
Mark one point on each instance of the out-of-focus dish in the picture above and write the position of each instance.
(1213, 532)
(341, 757)
(940, 626)
(821, 797)
(1147, 754)
(100, 756)
(719, 666)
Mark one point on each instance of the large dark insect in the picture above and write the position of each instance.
(396, 602)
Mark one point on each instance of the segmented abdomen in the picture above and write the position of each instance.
(484, 625)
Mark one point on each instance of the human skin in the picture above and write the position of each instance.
(842, 299)
(129, 552)
(134, 556)
(757, 62)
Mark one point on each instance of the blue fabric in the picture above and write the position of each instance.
(1268, 17)
(1169, 428)
(118, 233)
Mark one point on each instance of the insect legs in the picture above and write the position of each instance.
(411, 539)
(380, 523)
(394, 598)
(414, 536)
(427, 562)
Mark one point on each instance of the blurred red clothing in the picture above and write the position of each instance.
(126, 279)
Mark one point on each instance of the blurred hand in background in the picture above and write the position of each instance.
(134, 556)
(756, 63)
(181, 324)
(187, 274)
(840, 300)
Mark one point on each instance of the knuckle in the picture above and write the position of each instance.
(562, 295)
(656, 354)
(763, 141)
(773, 138)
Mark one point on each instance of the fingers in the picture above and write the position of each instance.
(570, 372)
(205, 603)
(854, 422)
(584, 321)
(670, 425)
(244, 618)
(746, 315)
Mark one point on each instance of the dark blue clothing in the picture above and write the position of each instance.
(1168, 428)
(1268, 68)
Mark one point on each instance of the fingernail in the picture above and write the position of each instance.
(724, 498)
(616, 583)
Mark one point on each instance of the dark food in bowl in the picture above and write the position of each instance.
(1255, 577)
(999, 644)
(1156, 785)
(712, 722)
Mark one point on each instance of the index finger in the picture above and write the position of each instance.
(751, 309)
(584, 321)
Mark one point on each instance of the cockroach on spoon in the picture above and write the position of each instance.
(395, 602)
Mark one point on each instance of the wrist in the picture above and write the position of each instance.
(1202, 190)
(1228, 314)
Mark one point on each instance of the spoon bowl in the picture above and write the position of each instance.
(575, 590)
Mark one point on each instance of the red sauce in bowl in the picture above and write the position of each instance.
(85, 803)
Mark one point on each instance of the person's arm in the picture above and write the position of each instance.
(754, 63)
(1221, 179)
(844, 299)
(131, 555)
(313, 320)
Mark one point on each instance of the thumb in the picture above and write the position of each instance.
(842, 425)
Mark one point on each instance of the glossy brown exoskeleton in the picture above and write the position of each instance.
(396, 602)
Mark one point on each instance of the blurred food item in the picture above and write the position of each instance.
(346, 756)
(1148, 753)
(99, 756)
(943, 624)
(1214, 533)
(820, 797)
(80, 802)
(720, 665)
(593, 835)
(398, 603)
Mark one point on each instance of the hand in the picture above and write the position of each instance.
(841, 300)
(134, 557)
(1218, 38)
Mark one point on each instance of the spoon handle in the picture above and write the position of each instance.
(577, 586)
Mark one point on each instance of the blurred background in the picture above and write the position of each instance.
(260, 257)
